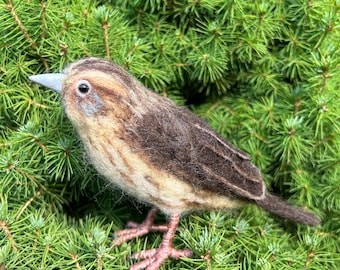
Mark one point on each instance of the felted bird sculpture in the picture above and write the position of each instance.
(158, 152)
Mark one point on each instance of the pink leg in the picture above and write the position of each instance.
(137, 230)
(152, 259)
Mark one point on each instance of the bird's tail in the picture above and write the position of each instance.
(279, 207)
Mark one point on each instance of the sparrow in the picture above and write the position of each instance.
(158, 152)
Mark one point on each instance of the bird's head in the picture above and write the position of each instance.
(93, 87)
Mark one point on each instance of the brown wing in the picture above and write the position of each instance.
(184, 145)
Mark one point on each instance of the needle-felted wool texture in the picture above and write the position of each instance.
(141, 133)
(93, 98)
(154, 149)
(265, 76)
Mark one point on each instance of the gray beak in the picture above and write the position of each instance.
(53, 81)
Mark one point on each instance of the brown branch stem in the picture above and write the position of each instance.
(106, 36)
(4, 226)
(27, 204)
(21, 26)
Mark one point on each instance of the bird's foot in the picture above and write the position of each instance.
(137, 230)
(152, 259)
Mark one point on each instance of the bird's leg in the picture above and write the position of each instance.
(136, 230)
(152, 259)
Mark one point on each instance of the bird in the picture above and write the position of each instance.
(158, 152)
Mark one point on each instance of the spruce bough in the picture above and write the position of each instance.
(264, 74)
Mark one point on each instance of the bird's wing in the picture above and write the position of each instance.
(184, 145)
(229, 166)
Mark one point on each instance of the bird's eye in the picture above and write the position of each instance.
(83, 87)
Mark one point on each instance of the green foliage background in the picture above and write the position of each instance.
(264, 74)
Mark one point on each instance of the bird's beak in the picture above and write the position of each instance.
(53, 81)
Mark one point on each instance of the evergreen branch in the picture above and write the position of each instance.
(43, 20)
(27, 204)
(265, 74)
(26, 174)
(31, 102)
(21, 25)
(106, 36)
(325, 76)
(259, 137)
(74, 257)
(23, 29)
(297, 105)
(212, 108)
(5, 227)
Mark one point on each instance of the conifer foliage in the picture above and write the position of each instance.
(264, 74)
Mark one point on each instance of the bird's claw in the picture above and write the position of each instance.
(152, 259)
(135, 230)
